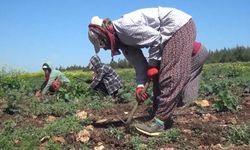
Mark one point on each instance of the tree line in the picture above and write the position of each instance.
(235, 54)
(121, 63)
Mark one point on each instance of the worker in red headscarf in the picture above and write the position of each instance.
(175, 60)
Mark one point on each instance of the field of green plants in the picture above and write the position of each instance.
(219, 118)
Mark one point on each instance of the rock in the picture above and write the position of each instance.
(143, 146)
(34, 117)
(82, 115)
(223, 139)
(202, 103)
(83, 136)
(232, 121)
(59, 139)
(89, 127)
(51, 119)
(187, 131)
(99, 146)
(127, 138)
(216, 147)
(208, 117)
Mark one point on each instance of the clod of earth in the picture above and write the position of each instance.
(202, 103)
(99, 146)
(58, 139)
(34, 116)
(51, 119)
(83, 136)
(82, 115)
(209, 118)
(89, 127)
(187, 131)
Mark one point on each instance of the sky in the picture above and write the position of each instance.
(36, 31)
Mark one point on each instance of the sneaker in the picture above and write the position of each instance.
(153, 128)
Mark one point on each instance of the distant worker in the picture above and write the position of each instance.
(53, 80)
(105, 80)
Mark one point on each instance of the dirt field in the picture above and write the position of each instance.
(204, 129)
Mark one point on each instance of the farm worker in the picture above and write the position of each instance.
(170, 36)
(53, 79)
(105, 79)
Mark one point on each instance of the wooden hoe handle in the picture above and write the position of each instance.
(136, 105)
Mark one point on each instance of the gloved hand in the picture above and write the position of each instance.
(141, 95)
(196, 48)
(152, 72)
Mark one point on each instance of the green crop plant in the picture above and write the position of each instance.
(136, 143)
(51, 145)
(29, 135)
(171, 135)
(239, 134)
(226, 102)
(114, 132)
(98, 103)
(8, 127)
(63, 126)
(222, 85)
(12, 101)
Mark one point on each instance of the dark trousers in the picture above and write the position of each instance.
(175, 70)
(101, 88)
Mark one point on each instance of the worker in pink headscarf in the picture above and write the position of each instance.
(175, 60)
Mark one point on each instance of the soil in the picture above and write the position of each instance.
(198, 130)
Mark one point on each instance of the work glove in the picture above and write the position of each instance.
(196, 48)
(152, 73)
(140, 94)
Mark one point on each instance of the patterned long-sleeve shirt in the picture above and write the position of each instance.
(148, 28)
(105, 74)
